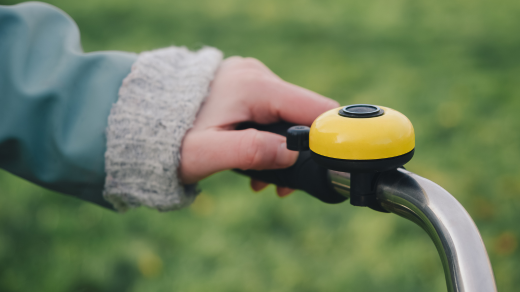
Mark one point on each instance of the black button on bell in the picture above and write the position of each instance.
(298, 138)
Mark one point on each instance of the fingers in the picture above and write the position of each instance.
(282, 192)
(258, 185)
(272, 100)
(246, 90)
(210, 151)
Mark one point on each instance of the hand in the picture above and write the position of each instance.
(244, 89)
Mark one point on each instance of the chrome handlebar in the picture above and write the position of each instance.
(458, 241)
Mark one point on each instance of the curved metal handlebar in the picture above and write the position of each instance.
(458, 241)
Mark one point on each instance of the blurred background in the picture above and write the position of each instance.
(451, 66)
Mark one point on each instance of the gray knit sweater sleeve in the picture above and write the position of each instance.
(157, 104)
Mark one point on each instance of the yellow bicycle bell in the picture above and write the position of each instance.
(361, 139)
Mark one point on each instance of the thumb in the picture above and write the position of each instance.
(207, 152)
(260, 150)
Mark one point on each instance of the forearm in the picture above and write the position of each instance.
(55, 103)
(55, 100)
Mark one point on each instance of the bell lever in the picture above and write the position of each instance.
(298, 138)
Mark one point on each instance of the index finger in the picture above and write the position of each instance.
(277, 100)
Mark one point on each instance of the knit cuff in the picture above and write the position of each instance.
(157, 105)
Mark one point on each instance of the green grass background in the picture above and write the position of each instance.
(451, 66)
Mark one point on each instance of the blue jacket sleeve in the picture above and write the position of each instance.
(55, 101)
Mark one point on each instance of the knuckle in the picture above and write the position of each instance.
(251, 63)
(233, 61)
(244, 63)
(248, 72)
(254, 78)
